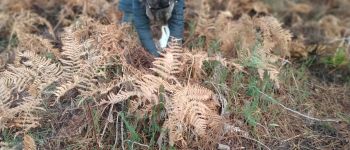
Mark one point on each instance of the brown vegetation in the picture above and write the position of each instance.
(72, 77)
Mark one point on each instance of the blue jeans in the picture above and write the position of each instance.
(126, 7)
(135, 12)
(127, 18)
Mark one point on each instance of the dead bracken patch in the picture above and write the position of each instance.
(251, 74)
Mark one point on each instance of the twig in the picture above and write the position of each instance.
(298, 113)
(122, 133)
(116, 134)
(10, 39)
(256, 141)
(266, 129)
(160, 139)
(107, 122)
(286, 140)
(309, 117)
(133, 142)
(189, 76)
(295, 81)
(222, 99)
(93, 127)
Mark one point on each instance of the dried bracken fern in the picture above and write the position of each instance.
(265, 42)
(187, 109)
(187, 106)
(22, 116)
(99, 65)
(24, 81)
(28, 143)
(80, 62)
(89, 48)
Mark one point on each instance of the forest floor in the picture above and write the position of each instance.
(293, 95)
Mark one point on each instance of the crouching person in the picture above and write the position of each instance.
(169, 13)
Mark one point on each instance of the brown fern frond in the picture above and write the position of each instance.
(195, 62)
(197, 93)
(196, 116)
(84, 58)
(71, 55)
(37, 44)
(86, 79)
(28, 104)
(201, 118)
(108, 38)
(121, 96)
(28, 143)
(18, 78)
(265, 41)
(176, 130)
(170, 64)
(188, 111)
(42, 65)
(128, 69)
(21, 115)
(205, 21)
(25, 23)
(24, 121)
(5, 91)
(63, 89)
(150, 84)
(274, 35)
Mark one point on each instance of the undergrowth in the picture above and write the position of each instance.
(80, 80)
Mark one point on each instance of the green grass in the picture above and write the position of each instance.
(145, 129)
(198, 43)
(3, 44)
(130, 128)
(340, 58)
(40, 135)
(251, 113)
(9, 138)
(192, 27)
(214, 47)
(295, 82)
(344, 117)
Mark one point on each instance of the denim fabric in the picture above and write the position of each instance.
(177, 22)
(125, 6)
(127, 18)
(142, 23)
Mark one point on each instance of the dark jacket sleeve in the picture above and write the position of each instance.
(176, 22)
(142, 25)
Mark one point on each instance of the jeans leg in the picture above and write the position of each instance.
(127, 17)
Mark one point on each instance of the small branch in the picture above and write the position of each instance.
(116, 134)
(122, 133)
(93, 127)
(256, 141)
(309, 117)
(222, 99)
(298, 113)
(107, 122)
(160, 139)
(133, 142)
(286, 140)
